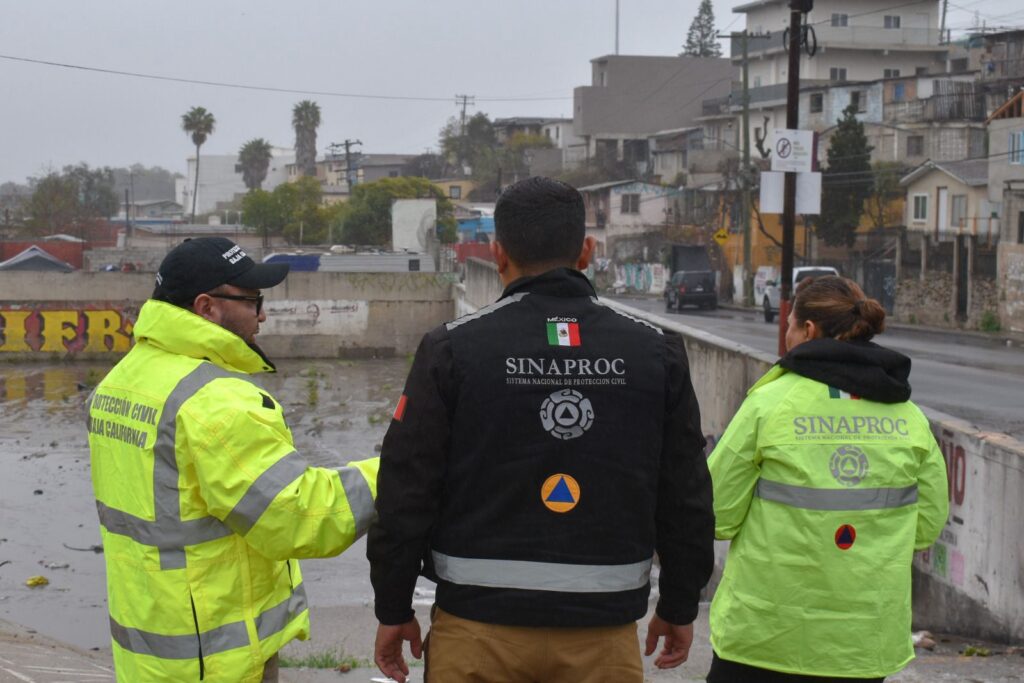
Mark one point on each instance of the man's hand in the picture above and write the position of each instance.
(387, 651)
(677, 642)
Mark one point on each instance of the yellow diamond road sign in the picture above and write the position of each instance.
(721, 236)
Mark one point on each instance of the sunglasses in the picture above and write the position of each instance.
(256, 299)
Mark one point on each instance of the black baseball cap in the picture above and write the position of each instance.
(204, 263)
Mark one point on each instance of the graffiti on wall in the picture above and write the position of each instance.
(66, 330)
(641, 277)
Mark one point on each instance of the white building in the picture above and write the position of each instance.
(220, 179)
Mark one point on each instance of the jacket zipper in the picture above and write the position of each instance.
(199, 642)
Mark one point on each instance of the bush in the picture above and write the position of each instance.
(989, 322)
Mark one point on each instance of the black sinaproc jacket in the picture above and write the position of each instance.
(864, 369)
(483, 426)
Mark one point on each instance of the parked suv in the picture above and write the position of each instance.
(691, 288)
(772, 289)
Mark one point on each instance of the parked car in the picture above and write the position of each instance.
(691, 288)
(772, 288)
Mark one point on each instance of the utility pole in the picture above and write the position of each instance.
(348, 144)
(127, 219)
(616, 26)
(748, 277)
(463, 101)
(797, 8)
(942, 25)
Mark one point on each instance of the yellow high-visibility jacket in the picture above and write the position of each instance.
(205, 505)
(825, 499)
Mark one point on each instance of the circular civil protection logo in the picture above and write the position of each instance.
(560, 493)
(566, 415)
(849, 465)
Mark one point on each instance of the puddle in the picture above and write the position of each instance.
(337, 410)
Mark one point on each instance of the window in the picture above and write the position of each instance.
(858, 100)
(817, 103)
(757, 81)
(892, 21)
(392, 174)
(915, 145)
(840, 20)
(920, 70)
(958, 65)
(837, 73)
(920, 208)
(238, 168)
(958, 214)
(1020, 227)
(890, 73)
(557, 131)
(899, 92)
(1016, 149)
(455, 191)
(630, 203)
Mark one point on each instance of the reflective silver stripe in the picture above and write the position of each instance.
(360, 498)
(275, 619)
(542, 576)
(168, 531)
(627, 315)
(835, 499)
(262, 492)
(221, 639)
(485, 310)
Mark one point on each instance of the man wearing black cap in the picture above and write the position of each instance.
(204, 503)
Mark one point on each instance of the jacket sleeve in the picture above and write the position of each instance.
(251, 477)
(684, 517)
(413, 462)
(735, 468)
(932, 491)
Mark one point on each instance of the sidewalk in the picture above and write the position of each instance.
(27, 657)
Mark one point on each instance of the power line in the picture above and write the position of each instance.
(265, 88)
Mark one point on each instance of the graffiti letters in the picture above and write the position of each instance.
(52, 330)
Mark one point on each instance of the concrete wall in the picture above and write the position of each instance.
(971, 582)
(1011, 286)
(310, 315)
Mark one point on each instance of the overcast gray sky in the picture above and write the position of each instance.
(53, 116)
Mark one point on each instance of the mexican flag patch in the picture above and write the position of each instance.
(564, 334)
(836, 393)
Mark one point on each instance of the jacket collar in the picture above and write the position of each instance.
(562, 282)
(178, 331)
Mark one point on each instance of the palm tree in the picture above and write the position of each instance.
(305, 120)
(254, 158)
(198, 123)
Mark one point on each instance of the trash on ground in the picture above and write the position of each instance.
(924, 639)
(37, 581)
(976, 651)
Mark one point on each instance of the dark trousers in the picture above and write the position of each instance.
(724, 671)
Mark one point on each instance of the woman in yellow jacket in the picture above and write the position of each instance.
(826, 482)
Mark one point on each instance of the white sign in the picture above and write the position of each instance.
(793, 150)
(808, 193)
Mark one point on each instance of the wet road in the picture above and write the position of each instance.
(970, 378)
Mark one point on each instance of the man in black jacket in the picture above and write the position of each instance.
(545, 447)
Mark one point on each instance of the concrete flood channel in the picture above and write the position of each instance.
(338, 411)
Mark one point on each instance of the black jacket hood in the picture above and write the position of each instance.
(864, 369)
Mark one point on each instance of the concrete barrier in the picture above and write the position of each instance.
(971, 581)
(311, 315)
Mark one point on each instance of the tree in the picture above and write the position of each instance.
(846, 183)
(471, 147)
(292, 210)
(305, 121)
(198, 123)
(700, 39)
(76, 196)
(369, 219)
(254, 158)
(428, 165)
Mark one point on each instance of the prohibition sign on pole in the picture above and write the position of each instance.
(794, 150)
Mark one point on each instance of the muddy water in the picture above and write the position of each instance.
(337, 410)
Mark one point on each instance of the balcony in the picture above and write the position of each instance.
(853, 37)
(955, 107)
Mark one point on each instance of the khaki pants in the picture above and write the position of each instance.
(270, 670)
(464, 651)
